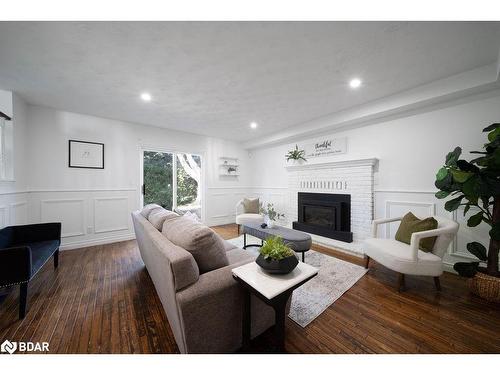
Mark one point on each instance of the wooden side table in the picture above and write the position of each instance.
(274, 290)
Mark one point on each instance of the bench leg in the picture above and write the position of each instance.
(56, 259)
(437, 283)
(303, 257)
(401, 286)
(23, 296)
(367, 262)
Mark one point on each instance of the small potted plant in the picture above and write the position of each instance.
(475, 186)
(297, 156)
(276, 257)
(271, 214)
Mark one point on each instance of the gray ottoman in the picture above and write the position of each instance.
(299, 242)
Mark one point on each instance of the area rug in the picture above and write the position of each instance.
(335, 277)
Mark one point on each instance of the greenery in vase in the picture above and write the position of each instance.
(275, 248)
(476, 183)
(296, 154)
(270, 212)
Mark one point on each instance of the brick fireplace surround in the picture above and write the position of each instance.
(354, 177)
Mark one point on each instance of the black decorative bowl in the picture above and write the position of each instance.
(282, 266)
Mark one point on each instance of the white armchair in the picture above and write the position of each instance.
(243, 218)
(409, 259)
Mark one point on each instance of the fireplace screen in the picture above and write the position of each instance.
(319, 215)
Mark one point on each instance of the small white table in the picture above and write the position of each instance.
(274, 290)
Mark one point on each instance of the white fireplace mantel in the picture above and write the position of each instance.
(354, 177)
(334, 164)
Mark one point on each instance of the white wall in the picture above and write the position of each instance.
(410, 151)
(95, 205)
(13, 192)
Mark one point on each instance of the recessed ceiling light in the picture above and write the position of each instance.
(253, 125)
(355, 83)
(146, 96)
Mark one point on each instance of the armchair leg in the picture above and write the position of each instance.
(437, 283)
(401, 282)
(23, 296)
(367, 261)
(56, 259)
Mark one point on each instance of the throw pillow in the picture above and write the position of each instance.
(411, 224)
(158, 216)
(146, 210)
(251, 205)
(202, 242)
(191, 216)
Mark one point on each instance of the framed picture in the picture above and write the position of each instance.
(84, 154)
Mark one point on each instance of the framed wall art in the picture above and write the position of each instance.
(84, 154)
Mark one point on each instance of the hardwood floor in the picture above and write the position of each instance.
(101, 300)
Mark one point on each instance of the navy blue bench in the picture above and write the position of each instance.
(24, 249)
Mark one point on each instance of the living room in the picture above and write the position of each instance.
(249, 187)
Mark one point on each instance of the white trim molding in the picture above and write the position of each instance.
(373, 162)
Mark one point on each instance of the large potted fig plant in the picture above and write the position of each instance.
(475, 185)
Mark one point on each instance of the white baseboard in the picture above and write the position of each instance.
(448, 267)
(95, 242)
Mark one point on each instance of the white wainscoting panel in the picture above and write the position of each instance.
(466, 234)
(19, 213)
(221, 204)
(89, 216)
(111, 214)
(400, 208)
(70, 212)
(4, 216)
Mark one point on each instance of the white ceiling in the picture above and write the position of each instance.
(214, 78)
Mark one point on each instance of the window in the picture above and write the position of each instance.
(172, 180)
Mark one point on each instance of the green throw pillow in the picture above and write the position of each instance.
(251, 205)
(411, 224)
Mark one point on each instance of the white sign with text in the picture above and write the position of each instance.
(326, 147)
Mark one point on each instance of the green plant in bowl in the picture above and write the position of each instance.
(276, 257)
(275, 248)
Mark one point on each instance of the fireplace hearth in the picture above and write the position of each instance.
(327, 215)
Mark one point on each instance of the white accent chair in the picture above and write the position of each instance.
(409, 259)
(243, 218)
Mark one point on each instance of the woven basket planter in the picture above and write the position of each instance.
(485, 286)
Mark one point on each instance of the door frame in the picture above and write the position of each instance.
(145, 148)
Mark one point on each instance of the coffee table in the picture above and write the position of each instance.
(274, 290)
(298, 241)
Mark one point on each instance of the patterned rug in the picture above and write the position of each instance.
(335, 277)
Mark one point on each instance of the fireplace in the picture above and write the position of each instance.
(327, 215)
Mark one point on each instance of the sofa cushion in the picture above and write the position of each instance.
(146, 210)
(229, 246)
(398, 257)
(249, 218)
(237, 255)
(204, 244)
(411, 224)
(251, 205)
(158, 216)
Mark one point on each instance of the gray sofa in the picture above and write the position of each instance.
(204, 309)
